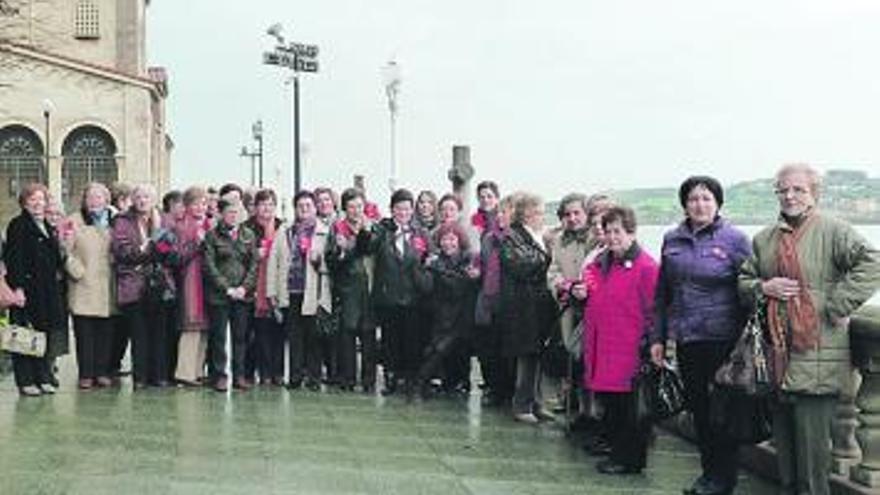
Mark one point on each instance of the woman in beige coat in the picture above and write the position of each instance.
(89, 285)
(298, 285)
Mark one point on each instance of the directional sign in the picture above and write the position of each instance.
(304, 65)
(303, 50)
(292, 61)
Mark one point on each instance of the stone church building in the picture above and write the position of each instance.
(77, 100)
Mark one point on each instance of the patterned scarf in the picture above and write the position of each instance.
(794, 321)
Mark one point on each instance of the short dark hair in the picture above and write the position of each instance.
(402, 195)
(451, 197)
(229, 187)
(350, 194)
(709, 183)
(119, 191)
(170, 198)
(567, 200)
(264, 195)
(488, 184)
(623, 214)
(302, 195)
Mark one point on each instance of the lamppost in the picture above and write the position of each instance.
(257, 131)
(48, 110)
(391, 78)
(256, 155)
(298, 58)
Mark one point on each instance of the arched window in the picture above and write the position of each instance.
(89, 156)
(21, 158)
(21, 162)
(86, 25)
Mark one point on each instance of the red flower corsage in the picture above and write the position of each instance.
(478, 220)
(371, 211)
(163, 247)
(419, 244)
(305, 243)
(342, 228)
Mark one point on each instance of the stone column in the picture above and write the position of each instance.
(865, 338)
(845, 451)
(460, 175)
(54, 171)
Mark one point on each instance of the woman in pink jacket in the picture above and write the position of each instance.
(620, 298)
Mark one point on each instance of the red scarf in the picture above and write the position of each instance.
(798, 314)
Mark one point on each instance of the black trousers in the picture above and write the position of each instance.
(402, 339)
(121, 339)
(233, 316)
(347, 344)
(303, 344)
(443, 358)
(171, 317)
(629, 439)
(498, 370)
(269, 336)
(94, 344)
(149, 341)
(32, 370)
(698, 362)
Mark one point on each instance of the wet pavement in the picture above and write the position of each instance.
(270, 440)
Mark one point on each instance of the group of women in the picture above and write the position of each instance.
(424, 289)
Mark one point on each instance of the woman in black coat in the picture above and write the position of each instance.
(527, 305)
(33, 263)
(452, 292)
(399, 250)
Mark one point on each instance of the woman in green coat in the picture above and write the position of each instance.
(812, 272)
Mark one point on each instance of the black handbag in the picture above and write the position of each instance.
(658, 393)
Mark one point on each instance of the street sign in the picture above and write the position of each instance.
(304, 65)
(303, 50)
(293, 61)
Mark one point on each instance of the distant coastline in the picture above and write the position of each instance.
(848, 194)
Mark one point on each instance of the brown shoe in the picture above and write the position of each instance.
(103, 382)
(86, 383)
(222, 384)
(242, 384)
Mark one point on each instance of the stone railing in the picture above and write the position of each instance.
(856, 428)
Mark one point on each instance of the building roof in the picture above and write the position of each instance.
(159, 86)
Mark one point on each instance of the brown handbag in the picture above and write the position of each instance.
(749, 367)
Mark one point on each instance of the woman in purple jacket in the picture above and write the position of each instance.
(697, 305)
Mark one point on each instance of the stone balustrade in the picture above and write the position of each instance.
(857, 426)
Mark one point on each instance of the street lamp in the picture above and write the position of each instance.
(392, 80)
(48, 110)
(257, 132)
(298, 58)
(256, 155)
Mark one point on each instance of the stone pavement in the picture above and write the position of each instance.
(270, 440)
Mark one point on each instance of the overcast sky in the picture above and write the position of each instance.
(551, 96)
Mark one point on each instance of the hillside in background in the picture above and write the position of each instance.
(848, 194)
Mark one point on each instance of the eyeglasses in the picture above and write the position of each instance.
(794, 190)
